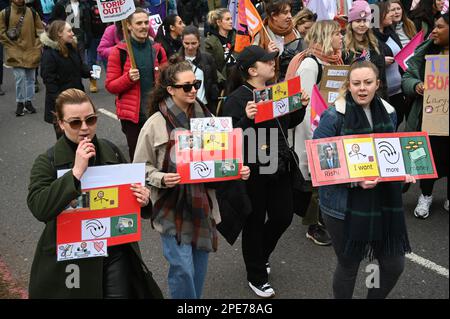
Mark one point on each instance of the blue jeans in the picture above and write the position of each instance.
(24, 84)
(187, 269)
(92, 52)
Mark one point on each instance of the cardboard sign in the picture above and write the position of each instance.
(278, 100)
(354, 158)
(435, 95)
(333, 77)
(204, 156)
(115, 10)
(105, 214)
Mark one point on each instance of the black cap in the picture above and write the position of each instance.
(252, 54)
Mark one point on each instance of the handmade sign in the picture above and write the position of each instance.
(277, 100)
(435, 95)
(354, 158)
(211, 151)
(115, 10)
(105, 214)
(333, 77)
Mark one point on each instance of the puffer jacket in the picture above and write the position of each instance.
(118, 82)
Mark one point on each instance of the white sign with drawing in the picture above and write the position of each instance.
(85, 249)
(95, 228)
(212, 124)
(390, 157)
(202, 170)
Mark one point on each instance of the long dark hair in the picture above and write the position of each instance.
(168, 77)
(424, 11)
(164, 28)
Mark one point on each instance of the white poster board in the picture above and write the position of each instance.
(115, 10)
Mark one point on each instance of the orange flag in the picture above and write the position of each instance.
(249, 24)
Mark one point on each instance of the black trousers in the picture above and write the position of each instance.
(347, 268)
(271, 197)
(131, 131)
(117, 273)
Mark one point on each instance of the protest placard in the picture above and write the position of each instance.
(278, 100)
(155, 21)
(333, 77)
(105, 214)
(211, 151)
(435, 95)
(115, 10)
(354, 158)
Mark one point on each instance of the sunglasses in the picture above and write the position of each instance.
(188, 87)
(76, 124)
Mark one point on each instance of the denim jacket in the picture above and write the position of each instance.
(333, 198)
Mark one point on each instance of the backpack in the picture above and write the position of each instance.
(288, 54)
(319, 75)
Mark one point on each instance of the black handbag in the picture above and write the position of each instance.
(301, 193)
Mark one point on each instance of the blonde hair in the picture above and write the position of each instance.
(322, 33)
(351, 44)
(303, 16)
(216, 15)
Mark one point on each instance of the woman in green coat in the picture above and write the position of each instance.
(220, 41)
(413, 86)
(120, 275)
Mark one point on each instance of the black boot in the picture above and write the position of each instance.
(29, 107)
(19, 111)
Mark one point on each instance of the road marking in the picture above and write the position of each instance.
(108, 113)
(428, 264)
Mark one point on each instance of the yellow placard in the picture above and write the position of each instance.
(280, 91)
(104, 198)
(361, 159)
(215, 141)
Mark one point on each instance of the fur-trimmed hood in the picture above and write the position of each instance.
(45, 40)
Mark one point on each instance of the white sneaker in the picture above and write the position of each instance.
(446, 205)
(263, 291)
(423, 206)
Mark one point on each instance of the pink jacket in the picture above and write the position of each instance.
(110, 39)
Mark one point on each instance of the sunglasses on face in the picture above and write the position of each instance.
(188, 86)
(76, 124)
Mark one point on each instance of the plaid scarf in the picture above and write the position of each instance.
(184, 211)
(374, 221)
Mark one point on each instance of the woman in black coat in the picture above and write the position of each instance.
(203, 66)
(61, 66)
